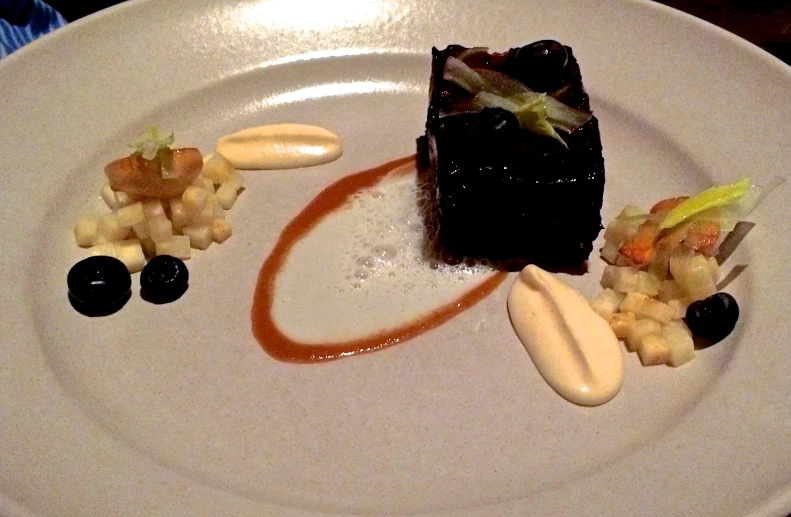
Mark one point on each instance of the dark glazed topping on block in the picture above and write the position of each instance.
(502, 194)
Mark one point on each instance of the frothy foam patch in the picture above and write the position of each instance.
(365, 269)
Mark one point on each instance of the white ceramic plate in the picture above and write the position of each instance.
(175, 410)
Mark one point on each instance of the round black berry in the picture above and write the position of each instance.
(713, 318)
(99, 286)
(164, 279)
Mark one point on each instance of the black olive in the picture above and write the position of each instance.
(99, 286)
(164, 279)
(497, 122)
(714, 318)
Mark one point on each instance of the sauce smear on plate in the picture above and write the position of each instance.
(282, 347)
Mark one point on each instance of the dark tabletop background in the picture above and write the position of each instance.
(767, 23)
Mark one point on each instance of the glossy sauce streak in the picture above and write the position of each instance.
(280, 346)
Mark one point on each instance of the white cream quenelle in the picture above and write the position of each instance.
(280, 146)
(573, 348)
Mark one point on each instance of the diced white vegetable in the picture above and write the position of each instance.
(715, 269)
(141, 229)
(129, 252)
(149, 248)
(607, 303)
(680, 306)
(178, 246)
(98, 239)
(205, 216)
(178, 214)
(108, 230)
(217, 168)
(622, 324)
(106, 248)
(693, 274)
(194, 199)
(630, 280)
(153, 208)
(221, 230)
(200, 236)
(643, 306)
(160, 229)
(670, 290)
(640, 329)
(226, 195)
(631, 211)
(679, 342)
(236, 178)
(204, 183)
(116, 200)
(130, 215)
(620, 231)
(609, 252)
(653, 350)
(219, 212)
(85, 230)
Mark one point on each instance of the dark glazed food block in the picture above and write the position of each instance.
(501, 192)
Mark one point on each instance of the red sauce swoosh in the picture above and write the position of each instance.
(282, 347)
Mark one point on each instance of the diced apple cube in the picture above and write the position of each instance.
(653, 350)
(105, 248)
(680, 306)
(609, 252)
(130, 215)
(149, 248)
(643, 306)
(85, 230)
(194, 199)
(129, 252)
(116, 200)
(178, 214)
(204, 183)
(219, 212)
(221, 230)
(217, 168)
(715, 269)
(607, 303)
(622, 323)
(178, 246)
(205, 216)
(226, 195)
(160, 229)
(200, 236)
(630, 280)
(141, 229)
(679, 342)
(640, 329)
(670, 290)
(236, 178)
(153, 208)
(108, 230)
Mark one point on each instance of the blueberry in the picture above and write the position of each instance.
(497, 122)
(545, 56)
(541, 65)
(99, 286)
(713, 318)
(164, 279)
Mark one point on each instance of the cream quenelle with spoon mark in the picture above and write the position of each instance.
(574, 349)
(280, 146)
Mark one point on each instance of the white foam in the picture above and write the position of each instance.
(364, 269)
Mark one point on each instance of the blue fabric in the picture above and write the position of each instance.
(22, 21)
